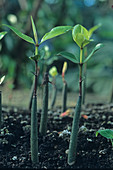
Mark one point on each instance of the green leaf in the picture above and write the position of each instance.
(55, 32)
(69, 56)
(107, 133)
(34, 31)
(91, 30)
(80, 35)
(97, 47)
(80, 39)
(21, 35)
(35, 57)
(2, 34)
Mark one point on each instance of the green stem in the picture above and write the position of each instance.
(75, 125)
(44, 116)
(81, 53)
(80, 72)
(74, 134)
(34, 124)
(36, 50)
(36, 75)
(84, 84)
(64, 96)
(85, 76)
(34, 131)
(31, 95)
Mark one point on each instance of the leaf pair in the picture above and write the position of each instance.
(82, 36)
(53, 33)
(23, 36)
(75, 59)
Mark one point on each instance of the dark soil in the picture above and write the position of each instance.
(93, 152)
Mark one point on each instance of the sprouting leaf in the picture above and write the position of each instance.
(80, 35)
(34, 31)
(21, 35)
(53, 71)
(35, 57)
(64, 67)
(55, 32)
(91, 30)
(97, 47)
(2, 34)
(107, 133)
(2, 79)
(69, 56)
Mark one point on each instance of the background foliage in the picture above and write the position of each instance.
(14, 52)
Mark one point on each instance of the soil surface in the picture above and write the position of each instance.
(92, 152)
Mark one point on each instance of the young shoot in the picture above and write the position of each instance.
(64, 90)
(82, 38)
(36, 57)
(107, 133)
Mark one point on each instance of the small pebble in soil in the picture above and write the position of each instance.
(89, 140)
(93, 152)
(64, 133)
(102, 152)
(14, 158)
(83, 129)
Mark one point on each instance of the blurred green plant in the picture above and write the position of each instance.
(82, 38)
(53, 73)
(99, 78)
(69, 12)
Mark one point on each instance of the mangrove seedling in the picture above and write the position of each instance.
(107, 133)
(82, 38)
(64, 90)
(1, 80)
(53, 73)
(36, 57)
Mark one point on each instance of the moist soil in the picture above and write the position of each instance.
(92, 152)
